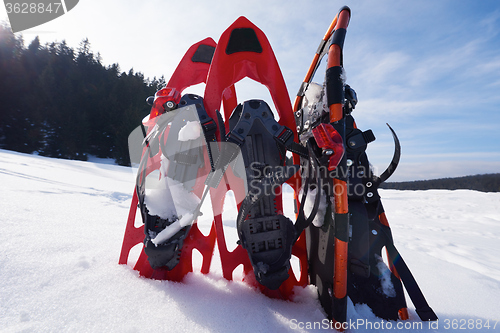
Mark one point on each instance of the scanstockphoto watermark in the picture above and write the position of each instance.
(359, 324)
(26, 14)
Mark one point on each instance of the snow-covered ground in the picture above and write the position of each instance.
(62, 224)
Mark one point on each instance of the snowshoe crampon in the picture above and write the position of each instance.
(188, 152)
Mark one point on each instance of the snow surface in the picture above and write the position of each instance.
(62, 228)
(190, 131)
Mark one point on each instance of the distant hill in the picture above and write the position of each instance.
(483, 183)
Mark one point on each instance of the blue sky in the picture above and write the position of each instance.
(431, 69)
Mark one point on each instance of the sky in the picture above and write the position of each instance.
(431, 69)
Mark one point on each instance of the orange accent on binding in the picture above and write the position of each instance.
(341, 247)
(340, 279)
(340, 193)
(334, 56)
(403, 314)
(335, 112)
(383, 219)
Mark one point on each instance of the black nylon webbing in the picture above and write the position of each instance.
(422, 308)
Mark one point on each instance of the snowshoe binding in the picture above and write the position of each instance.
(267, 236)
(181, 146)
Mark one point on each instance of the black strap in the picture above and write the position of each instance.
(302, 222)
(285, 138)
(422, 308)
(357, 140)
(209, 129)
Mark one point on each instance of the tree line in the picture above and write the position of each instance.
(483, 183)
(60, 102)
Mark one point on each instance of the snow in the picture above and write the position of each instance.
(309, 205)
(190, 131)
(385, 279)
(172, 229)
(62, 228)
(169, 199)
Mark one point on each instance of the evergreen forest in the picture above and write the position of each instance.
(483, 183)
(60, 102)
